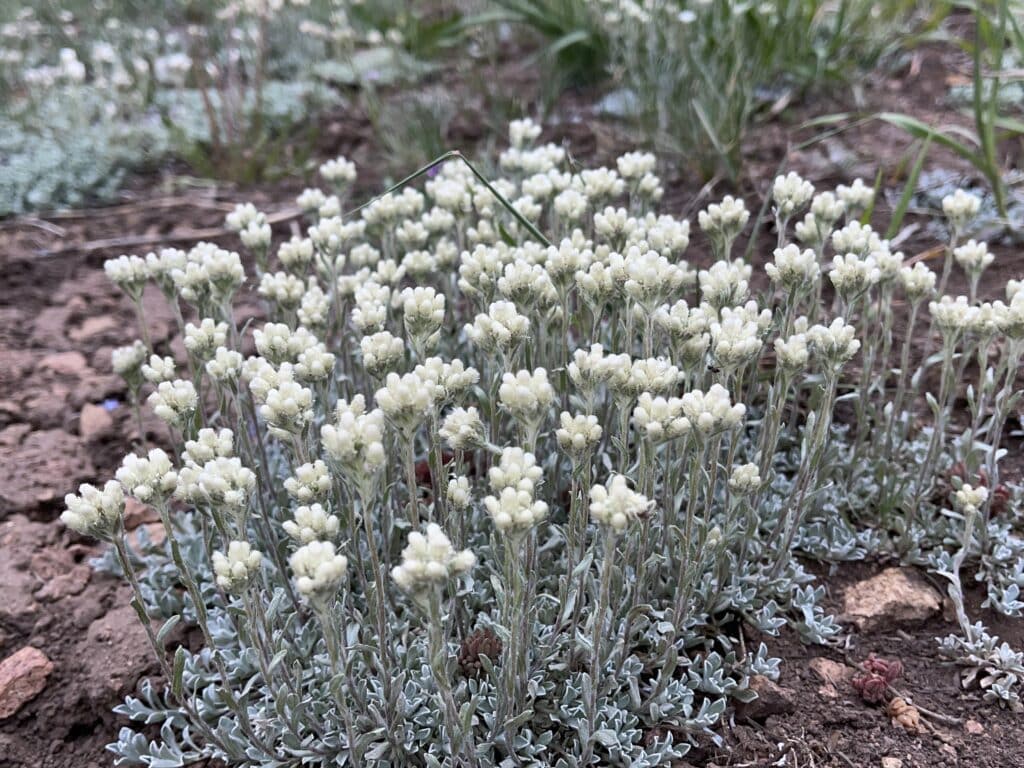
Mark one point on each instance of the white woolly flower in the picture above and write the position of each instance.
(480, 269)
(428, 561)
(597, 284)
(448, 379)
(382, 352)
(95, 511)
(242, 216)
(311, 523)
(159, 369)
(127, 361)
(162, 266)
(725, 220)
(973, 257)
(835, 342)
(791, 193)
(319, 572)
(129, 273)
(338, 171)
(712, 412)
(287, 409)
(745, 479)
(208, 445)
(150, 478)
(202, 340)
(310, 199)
(523, 132)
(423, 313)
(952, 316)
(616, 506)
(314, 306)
(502, 328)
(889, 264)
(458, 492)
(235, 570)
(827, 209)
(371, 307)
(586, 370)
(652, 374)
(856, 197)
(526, 396)
(634, 165)
(296, 254)
(660, 419)
(225, 366)
(174, 402)
(725, 283)
(406, 400)
(463, 430)
(283, 289)
(314, 364)
(224, 482)
(256, 236)
(517, 469)
(527, 285)
(578, 435)
(961, 208)
(793, 269)
(570, 205)
(311, 482)
(852, 275)
(918, 282)
(515, 511)
(856, 238)
(601, 184)
(735, 340)
(355, 442)
(650, 278)
(614, 224)
(793, 353)
(970, 499)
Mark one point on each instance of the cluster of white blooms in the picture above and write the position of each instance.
(406, 400)
(918, 281)
(502, 328)
(208, 445)
(745, 479)
(615, 505)
(296, 254)
(423, 313)
(792, 353)
(852, 275)
(382, 352)
(515, 508)
(95, 511)
(355, 442)
(970, 499)
(725, 220)
(209, 277)
(961, 208)
(242, 216)
(578, 435)
(159, 369)
(526, 395)
(791, 193)
(522, 133)
(175, 402)
(725, 284)
(256, 236)
(856, 197)
(458, 492)
(952, 316)
(858, 239)
(283, 289)
(712, 412)
(428, 561)
(129, 273)
(235, 570)
(834, 343)
(151, 478)
(127, 361)
(463, 429)
(312, 523)
(973, 257)
(319, 571)
(309, 482)
(202, 340)
(226, 365)
(446, 380)
(338, 171)
(660, 418)
(735, 339)
(287, 408)
(650, 278)
(793, 269)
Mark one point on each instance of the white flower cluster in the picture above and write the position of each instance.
(236, 569)
(430, 560)
(319, 571)
(616, 506)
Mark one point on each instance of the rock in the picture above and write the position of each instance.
(892, 762)
(974, 728)
(119, 654)
(64, 364)
(40, 469)
(772, 699)
(894, 597)
(19, 539)
(136, 513)
(97, 326)
(94, 422)
(66, 584)
(155, 531)
(22, 676)
(832, 674)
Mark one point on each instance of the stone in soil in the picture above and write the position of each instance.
(772, 699)
(22, 677)
(40, 467)
(893, 598)
(835, 677)
(94, 422)
(118, 656)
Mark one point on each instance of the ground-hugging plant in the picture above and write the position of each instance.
(506, 477)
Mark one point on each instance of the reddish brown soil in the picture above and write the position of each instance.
(63, 420)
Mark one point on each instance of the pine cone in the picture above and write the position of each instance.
(482, 642)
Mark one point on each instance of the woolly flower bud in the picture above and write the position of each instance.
(501, 329)
(423, 313)
(961, 208)
(256, 236)
(127, 361)
(202, 340)
(1011, 317)
(287, 409)
(835, 343)
(296, 254)
(94, 511)
(525, 395)
(174, 402)
(735, 341)
(314, 364)
(745, 479)
(586, 370)
(515, 511)
(596, 284)
(162, 266)
(458, 492)
(918, 282)
(1013, 289)
(973, 257)
(792, 353)
(355, 442)
(578, 435)
(616, 505)
(793, 269)
(856, 238)
(724, 220)
(633, 165)
(527, 285)
(209, 445)
(319, 572)
(159, 369)
(856, 197)
(952, 316)
(653, 374)
(516, 469)
(311, 199)
(449, 380)
(406, 400)
(791, 193)
(725, 283)
(311, 523)
(660, 419)
(852, 276)
(236, 569)
(428, 561)
(283, 289)
(338, 171)
(650, 278)
(713, 411)
(222, 482)
(129, 273)
(522, 132)
(226, 365)
(970, 499)
(463, 429)
(570, 205)
(311, 482)
(242, 216)
(382, 352)
(149, 479)
(827, 209)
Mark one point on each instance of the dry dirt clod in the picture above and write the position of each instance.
(94, 422)
(904, 715)
(974, 728)
(22, 677)
(894, 597)
(832, 674)
(772, 699)
(892, 762)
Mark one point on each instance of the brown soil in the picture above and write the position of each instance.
(64, 420)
